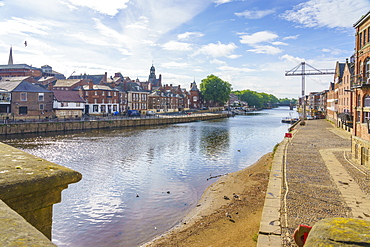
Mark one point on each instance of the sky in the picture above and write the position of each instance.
(248, 43)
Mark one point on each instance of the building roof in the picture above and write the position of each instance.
(99, 87)
(17, 66)
(96, 79)
(11, 84)
(46, 78)
(362, 19)
(66, 83)
(67, 96)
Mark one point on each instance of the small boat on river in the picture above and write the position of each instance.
(289, 120)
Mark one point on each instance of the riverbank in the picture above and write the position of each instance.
(103, 123)
(228, 213)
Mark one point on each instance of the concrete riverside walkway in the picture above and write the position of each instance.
(312, 178)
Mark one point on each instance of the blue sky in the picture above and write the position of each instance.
(248, 43)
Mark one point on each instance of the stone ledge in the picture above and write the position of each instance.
(16, 231)
(30, 185)
(339, 232)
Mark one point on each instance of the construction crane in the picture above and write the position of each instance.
(300, 69)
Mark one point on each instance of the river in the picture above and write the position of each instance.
(139, 182)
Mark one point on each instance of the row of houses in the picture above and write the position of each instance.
(26, 91)
(347, 101)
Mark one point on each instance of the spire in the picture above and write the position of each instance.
(10, 62)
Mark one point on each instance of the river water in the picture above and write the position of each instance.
(139, 182)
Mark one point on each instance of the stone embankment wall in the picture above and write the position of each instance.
(8, 129)
(29, 186)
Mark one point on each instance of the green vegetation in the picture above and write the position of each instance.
(257, 100)
(286, 101)
(255, 237)
(215, 90)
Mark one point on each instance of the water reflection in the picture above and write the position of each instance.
(214, 141)
(123, 199)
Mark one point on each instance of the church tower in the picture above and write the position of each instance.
(152, 77)
(10, 61)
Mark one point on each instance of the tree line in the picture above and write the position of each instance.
(217, 91)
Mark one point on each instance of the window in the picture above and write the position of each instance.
(78, 104)
(41, 107)
(367, 100)
(115, 94)
(23, 110)
(103, 93)
(102, 108)
(108, 93)
(64, 104)
(364, 37)
(41, 96)
(23, 96)
(96, 92)
(358, 116)
(95, 108)
(87, 93)
(95, 101)
(366, 117)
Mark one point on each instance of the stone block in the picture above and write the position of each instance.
(339, 232)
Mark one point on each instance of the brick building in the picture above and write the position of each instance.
(100, 99)
(26, 99)
(361, 92)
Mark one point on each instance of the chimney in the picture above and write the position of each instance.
(90, 85)
(105, 79)
(50, 86)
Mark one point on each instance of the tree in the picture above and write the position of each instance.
(215, 90)
(257, 100)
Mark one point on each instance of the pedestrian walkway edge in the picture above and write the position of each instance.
(270, 227)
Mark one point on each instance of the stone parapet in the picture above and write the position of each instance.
(16, 231)
(42, 127)
(30, 186)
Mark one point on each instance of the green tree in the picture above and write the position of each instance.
(255, 99)
(215, 90)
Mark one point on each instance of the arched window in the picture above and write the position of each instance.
(367, 69)
(367, 100)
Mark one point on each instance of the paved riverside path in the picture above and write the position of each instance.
(320, 181)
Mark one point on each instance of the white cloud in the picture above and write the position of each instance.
(22, 26)
(2, 4)
(258, 14)
(174, 65)
(218, 2)
(177, 46)
(235, 69)
(335, 52)
(125, 52)
(291, 37)
(263, 36)
(234, 56)
(218, 49)
(278, 43)
(292, 59)
(188, 35)
(266, 49)
(327, 13)
(108, 7)
(216, 61)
